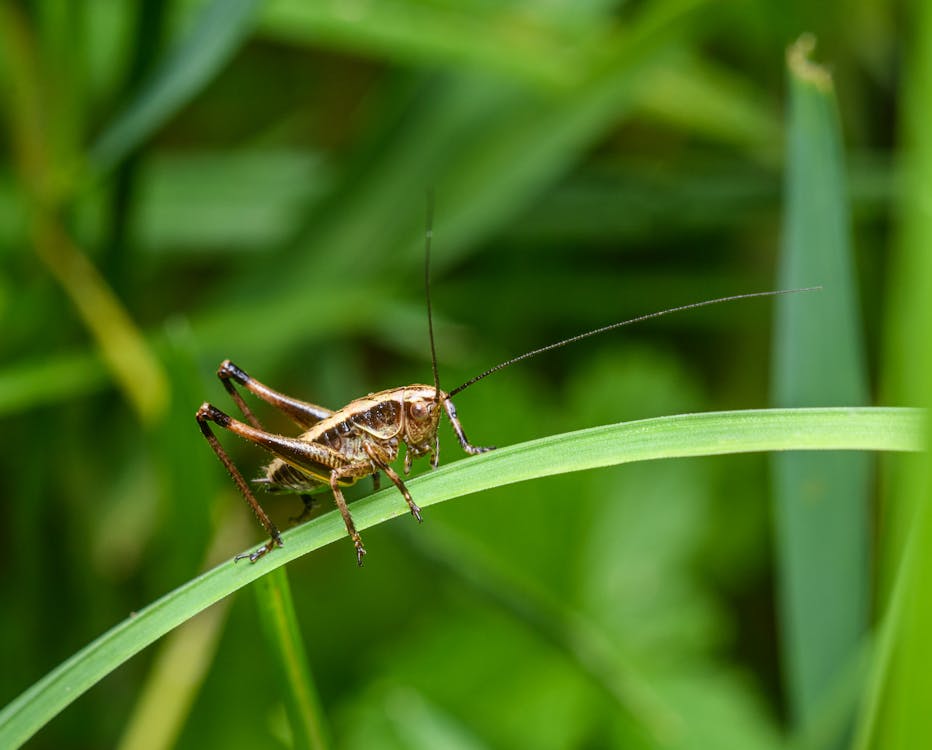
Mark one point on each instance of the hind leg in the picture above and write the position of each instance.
(301, 413)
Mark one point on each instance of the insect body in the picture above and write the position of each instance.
(337, 448)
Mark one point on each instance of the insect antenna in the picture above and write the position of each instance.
(612, 326)
(428, 235)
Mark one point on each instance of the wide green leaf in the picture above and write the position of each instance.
(821, 500)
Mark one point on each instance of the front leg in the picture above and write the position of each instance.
(472, 450)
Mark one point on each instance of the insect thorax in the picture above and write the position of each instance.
(375, 424)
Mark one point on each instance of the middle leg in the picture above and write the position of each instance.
(396, 480)
(350, 471)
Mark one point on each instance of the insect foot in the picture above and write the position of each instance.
(261, 552)
(360, 550)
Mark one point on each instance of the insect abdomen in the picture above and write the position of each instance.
(280, 476)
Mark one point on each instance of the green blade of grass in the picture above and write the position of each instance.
(60, 377)
(715, 433)
(895, 714)
(821, 500)
(701, 97)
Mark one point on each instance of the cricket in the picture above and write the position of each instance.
(337, 448)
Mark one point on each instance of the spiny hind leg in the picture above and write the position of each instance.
(302, 413)
(294, 451)
(302, 454)
(208, 413)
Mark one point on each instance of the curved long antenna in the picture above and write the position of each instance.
(428, 235)
(604, 329)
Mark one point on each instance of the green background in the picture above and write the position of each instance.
(191, 181)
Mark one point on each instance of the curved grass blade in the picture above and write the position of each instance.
(715, 433)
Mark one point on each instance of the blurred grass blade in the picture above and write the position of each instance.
(900, 687)
(714, 433)
(886, 633)
(283, 635)
(26, 385)
(226, 203)
(198, 56)
(698, 96)
(121, 344)
(821, 500)
(488, 147)
(518, 43)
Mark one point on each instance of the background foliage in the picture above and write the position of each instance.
(191, 181)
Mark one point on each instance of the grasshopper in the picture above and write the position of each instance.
(337, 448)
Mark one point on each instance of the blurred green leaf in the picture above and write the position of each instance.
(29, 384)
(224, 203)
(511, 38)
(691, 94)
(34, 131)
(895, 714)
(486, 146)
(821, 499)
(217, 32)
